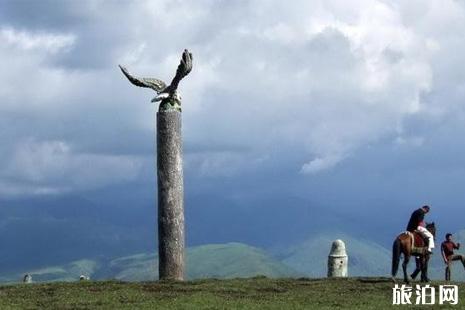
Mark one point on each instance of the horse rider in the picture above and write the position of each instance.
(417, 222)
(447, 251)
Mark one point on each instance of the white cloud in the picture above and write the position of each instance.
(318, 78)
(319, 164)
(409, 141)
(29, 83)
(52, 43)
(50, 167)
(344, 75)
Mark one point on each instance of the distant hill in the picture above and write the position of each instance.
(67, 272)
(53, 230)
(50, 230)
(223, 261)
(366, 258)
(310, 257)
(234, 260)
(229, 260)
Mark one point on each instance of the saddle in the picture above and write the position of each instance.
(419, 242)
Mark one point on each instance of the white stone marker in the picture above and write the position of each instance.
(338, 260)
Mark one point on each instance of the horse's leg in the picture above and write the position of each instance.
(424, 268)
(417, 268)
(404, 267)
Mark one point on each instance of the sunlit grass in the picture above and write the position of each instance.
(254, 293)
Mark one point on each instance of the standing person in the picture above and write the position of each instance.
(447, 250)
(417, 222)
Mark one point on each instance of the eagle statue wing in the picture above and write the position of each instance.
(155, 84)
(185, 66)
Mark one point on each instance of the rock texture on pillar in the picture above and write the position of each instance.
(338, 260)
(170, 196)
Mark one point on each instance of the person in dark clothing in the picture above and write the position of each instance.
(447, 251)
(417, 222)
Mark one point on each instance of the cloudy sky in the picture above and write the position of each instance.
(357, 104)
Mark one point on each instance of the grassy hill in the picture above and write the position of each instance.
(208, 261)
(230, 260)
(221, 261)
(254, 293)
(365, 257)
(234, 260)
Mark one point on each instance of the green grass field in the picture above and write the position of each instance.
(254, 293)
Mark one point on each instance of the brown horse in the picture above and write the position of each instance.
(403, 245)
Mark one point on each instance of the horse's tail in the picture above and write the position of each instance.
(396, 250)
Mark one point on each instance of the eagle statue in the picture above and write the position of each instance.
(167, 95)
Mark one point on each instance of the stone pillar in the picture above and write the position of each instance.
(170, 196)
(27, 278)
(337, 260)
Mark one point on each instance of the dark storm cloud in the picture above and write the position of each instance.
(101, 28)
(281, 95)
(44, 15)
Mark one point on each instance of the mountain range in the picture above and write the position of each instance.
(59, 238)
